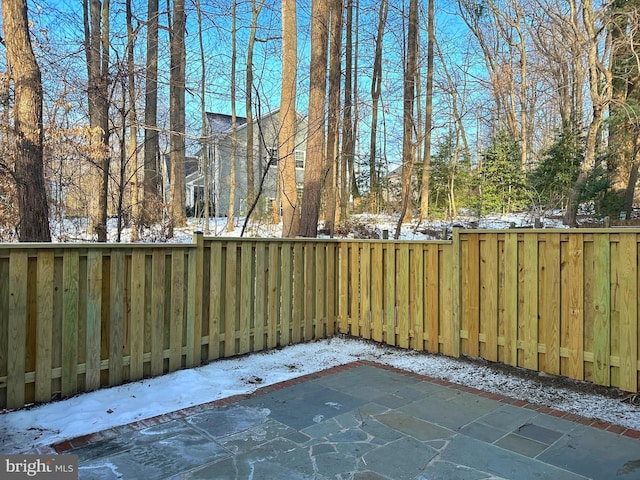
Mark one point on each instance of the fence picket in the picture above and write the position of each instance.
(176, 318)
(402, 295)
(389, 252)
(416, 296)
(136, 363)
(44, 351)
(230, 304)
(510, 313)
(247, 294)
(530, 306)
(259, 301)
(377, 300)
(17, 324)
(275, 289)
(309, 293)
(628, 298)
(118, 316)
(550, 302)
(365, 291)
(575, 320)
(320, 307)
(70, 288)
(94, 319)
(489, 296)
(158, 273)
(433, 298)
(471, 293)
(601, 310)
(286, 292)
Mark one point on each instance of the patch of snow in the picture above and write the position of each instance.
(23, 430)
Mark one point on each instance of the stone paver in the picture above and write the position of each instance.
(362, 422)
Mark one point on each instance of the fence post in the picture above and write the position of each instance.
(194, 301)
(456, 294)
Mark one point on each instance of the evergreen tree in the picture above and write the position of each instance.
(558, 169)
(501, 180)
(449, 178)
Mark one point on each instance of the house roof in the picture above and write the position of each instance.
(219, 122)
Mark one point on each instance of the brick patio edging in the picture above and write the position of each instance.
(84, 440)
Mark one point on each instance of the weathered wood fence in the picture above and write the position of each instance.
(75, 318)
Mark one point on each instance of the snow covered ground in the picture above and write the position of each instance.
(75, 230)
(23, 430)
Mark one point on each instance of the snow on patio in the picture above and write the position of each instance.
(23, 430)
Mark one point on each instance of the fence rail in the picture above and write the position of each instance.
(75, 318)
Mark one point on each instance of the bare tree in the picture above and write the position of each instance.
(96, 37)
(428, 113)
(315, 160)
(409, 92)
(376, 84)
(177, 89)
(204, 140)
(348, 135)
(586, 21)
(624, 120)
(27, 116)
(132, 156)
(333, 113)
(501, 34)
(151, 148)
(234, 126)
(286, 134)
(256, 8)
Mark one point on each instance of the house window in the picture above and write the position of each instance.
(273, 156)
(300, 159)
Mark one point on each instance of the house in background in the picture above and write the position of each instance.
(219, 156)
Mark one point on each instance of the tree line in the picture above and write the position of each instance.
(422, 109)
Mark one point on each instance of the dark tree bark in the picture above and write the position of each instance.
(96, 36)
(315, 162)
(177, 115)
(428, 114)
(33, 206)
(151, 197)
(286, 135)
(348, 136)
(333, 113)
(408, 144)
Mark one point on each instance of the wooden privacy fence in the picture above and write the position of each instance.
(74, 318)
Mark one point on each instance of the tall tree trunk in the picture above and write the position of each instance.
(132, 156)
(333, 112)
(376, 84)
(408, 148)
(203, 112)
(177, 115)
(151, 191)
(96, 29)
(33, 205)
(315, 160)
(286, 133)
(348, 137)
(234, 129)
(256, 8)
(355, 192)
(428, 114)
